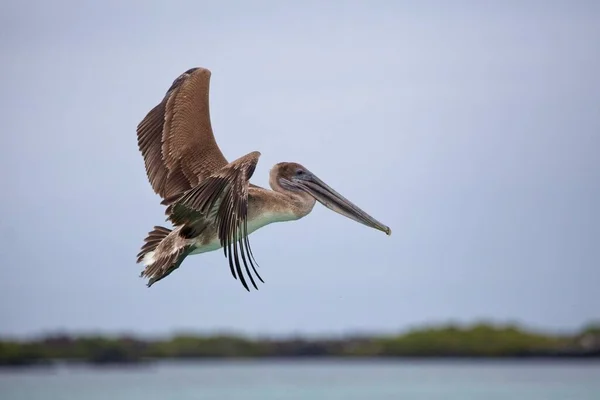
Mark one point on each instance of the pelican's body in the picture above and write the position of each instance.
(264, 207)
(210, 201)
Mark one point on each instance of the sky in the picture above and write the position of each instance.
(471, 128)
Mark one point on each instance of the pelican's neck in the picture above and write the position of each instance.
(299, 202)
(269, 206)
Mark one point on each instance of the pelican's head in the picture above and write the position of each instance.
(295, 177)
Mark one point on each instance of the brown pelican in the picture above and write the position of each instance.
(211, 202)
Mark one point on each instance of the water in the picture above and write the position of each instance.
(314, 380)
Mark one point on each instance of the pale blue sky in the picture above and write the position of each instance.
(471, 128)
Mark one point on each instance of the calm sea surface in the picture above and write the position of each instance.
(315, 380)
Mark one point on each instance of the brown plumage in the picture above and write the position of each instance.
(211, 202)
(176, 137)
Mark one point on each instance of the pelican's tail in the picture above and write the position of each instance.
(162, 253)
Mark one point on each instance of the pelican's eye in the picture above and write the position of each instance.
(299, 172)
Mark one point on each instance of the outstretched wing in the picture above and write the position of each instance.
(223, 196)
(176, 137)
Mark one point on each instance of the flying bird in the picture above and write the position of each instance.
(210, 201)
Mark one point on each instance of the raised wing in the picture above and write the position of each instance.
(176, 137)
(223, 197)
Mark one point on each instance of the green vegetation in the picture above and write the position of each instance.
(480, 340)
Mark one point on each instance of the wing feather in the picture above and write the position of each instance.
(224, 194)
(176, 137)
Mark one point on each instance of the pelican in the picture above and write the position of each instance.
(209, 201)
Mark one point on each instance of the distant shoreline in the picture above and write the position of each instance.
(449, 342)
(142, 363)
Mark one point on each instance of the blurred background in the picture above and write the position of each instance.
(471, 128)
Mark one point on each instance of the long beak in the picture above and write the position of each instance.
(338, 203)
